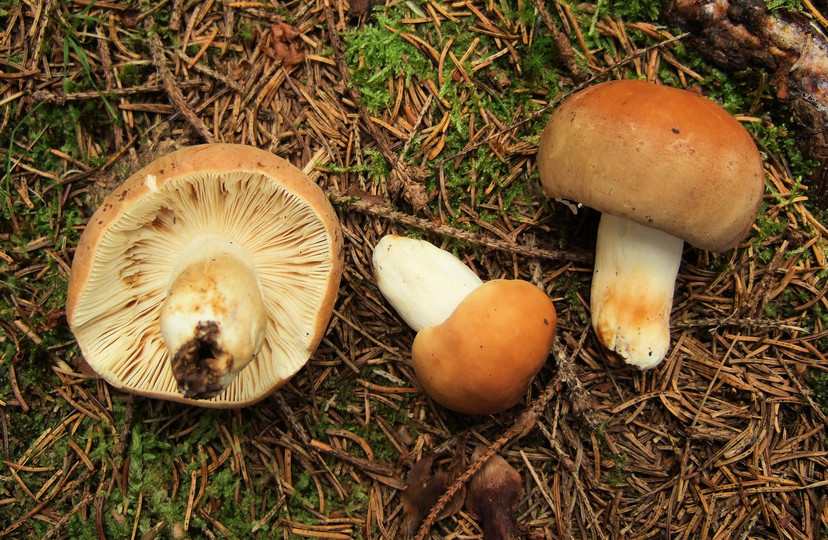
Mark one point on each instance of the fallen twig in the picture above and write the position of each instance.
(385, 212)
(565, 51)
(173, 91)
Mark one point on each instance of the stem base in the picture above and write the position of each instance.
(632, 289)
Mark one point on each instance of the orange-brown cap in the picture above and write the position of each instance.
(666, 158)
(127, 256)
(483, 357)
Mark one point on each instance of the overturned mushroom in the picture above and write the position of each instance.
(663, 165)
(478, 344)
(208, 277)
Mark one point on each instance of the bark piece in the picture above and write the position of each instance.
(737, 34)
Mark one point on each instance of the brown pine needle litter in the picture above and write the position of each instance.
(416, 117)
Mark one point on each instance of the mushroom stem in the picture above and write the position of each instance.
(424, 283)
(213, 317)
(632, 289)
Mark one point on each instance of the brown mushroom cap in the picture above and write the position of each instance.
(483, 357)
(127, 253)
(665, 158)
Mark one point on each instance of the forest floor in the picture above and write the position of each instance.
(419, 118)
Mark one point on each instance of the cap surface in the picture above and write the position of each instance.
(663, 157)
(128, 251)
(483, 357)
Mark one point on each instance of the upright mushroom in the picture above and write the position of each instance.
(478, 345)
(663, 165)
(207, 277)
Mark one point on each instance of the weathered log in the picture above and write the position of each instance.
(737, 34)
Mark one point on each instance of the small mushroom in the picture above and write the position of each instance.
(663, 166)
(208, 277)
(492, 496)
(478, 345)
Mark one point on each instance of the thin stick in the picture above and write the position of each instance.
(59, 97)
(360, 463)
(567, 54)
(385, 212)
(173, 91)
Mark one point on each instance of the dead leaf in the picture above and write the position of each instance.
(361, 7)
(424, 489)
(354, 191)
(130, 17)
(80, 365)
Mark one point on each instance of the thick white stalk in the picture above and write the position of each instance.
(424, 283)
(632, 289)
(213, 318)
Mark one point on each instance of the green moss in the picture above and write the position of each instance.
(568, 285)
(789, 5)
(135, 74)
(371, 433)
(304, 495)
(78, 528)
(346, 395)
(637, 10)
(38, 131)
(537, 57)
(245, 30)
(161, 16)
(818, 381)
(378, 52)
(374, 54)
(777, 138)
(616, 475)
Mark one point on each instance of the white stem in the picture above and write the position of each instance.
(632, 289)
(423, 282)
(213, 319)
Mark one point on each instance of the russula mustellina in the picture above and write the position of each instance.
(664, 166)
(207, 277)
(478, 345)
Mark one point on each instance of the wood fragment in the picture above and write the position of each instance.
(173, 90)
(562, 44)
(412, 221)
(363, 464)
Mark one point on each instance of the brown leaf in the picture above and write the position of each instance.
(424, 489)
(82, 366)
(290, 32)
(492, 496)
(130, 17)
(294, 55)
(361, 7)
(354, 191)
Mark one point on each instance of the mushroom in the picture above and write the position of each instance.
(207, 277)
(478, 345)
(492, 496)
(663, 166)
